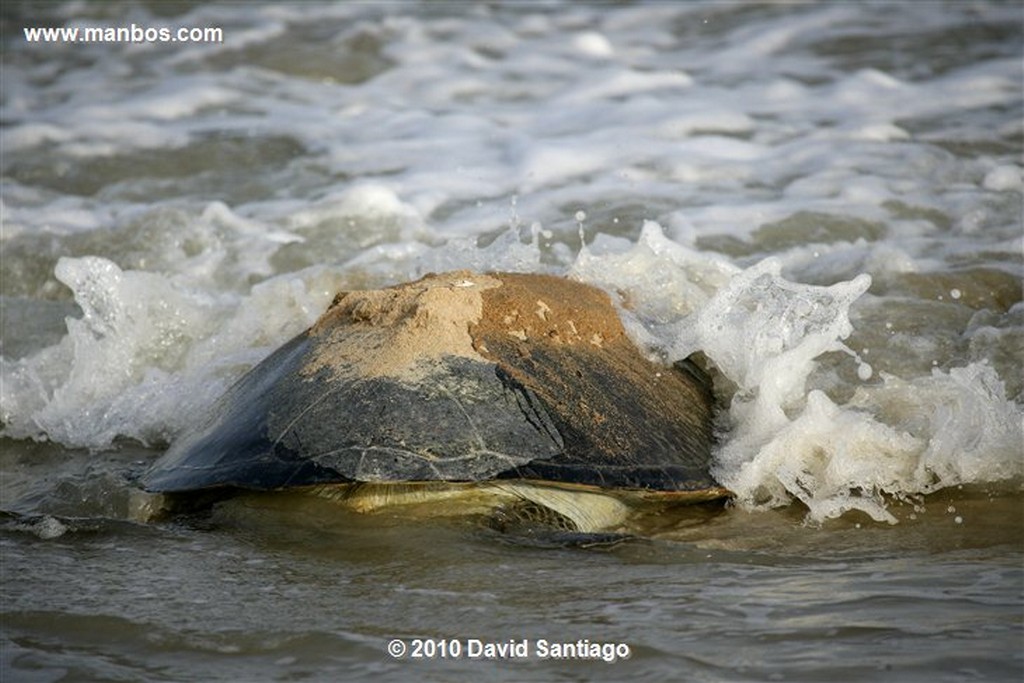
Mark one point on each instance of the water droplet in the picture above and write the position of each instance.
(864, 372)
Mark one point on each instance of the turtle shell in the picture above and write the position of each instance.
(458, 377)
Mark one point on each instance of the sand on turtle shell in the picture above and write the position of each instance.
(404, 332)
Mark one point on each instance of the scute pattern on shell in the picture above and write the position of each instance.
(455, 377)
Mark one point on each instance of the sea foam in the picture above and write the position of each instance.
(781, 440)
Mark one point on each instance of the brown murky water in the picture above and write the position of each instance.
(276, 587)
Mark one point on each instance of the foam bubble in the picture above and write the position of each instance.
(1004, 178)
(864, 371)
(593, 44)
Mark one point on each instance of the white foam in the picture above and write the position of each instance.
(764, 332)
(967, 428)
(781, 441)
(833, 460)
(662, 282)
(127, 336)
(146, 356)
(1004, 178)
(593, 44)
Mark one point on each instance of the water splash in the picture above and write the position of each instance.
(783, 438)
(147, 353)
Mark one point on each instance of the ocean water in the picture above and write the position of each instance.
(823, 199)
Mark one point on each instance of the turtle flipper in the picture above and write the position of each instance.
(526, 522)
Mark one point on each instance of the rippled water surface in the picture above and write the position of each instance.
(824, 200)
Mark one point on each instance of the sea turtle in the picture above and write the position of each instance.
(519, 396)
